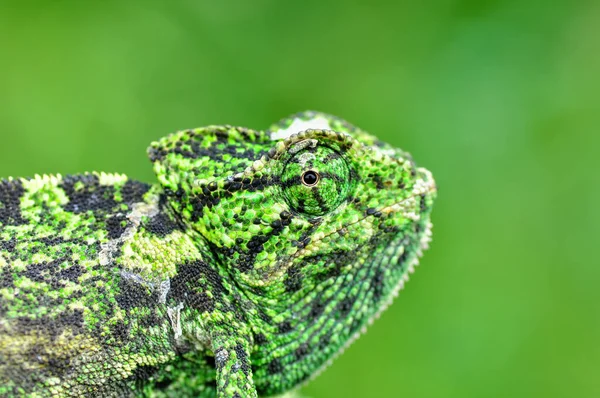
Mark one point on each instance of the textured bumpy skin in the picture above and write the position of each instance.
(257, 258)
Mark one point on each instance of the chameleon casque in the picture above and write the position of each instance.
(256, 258)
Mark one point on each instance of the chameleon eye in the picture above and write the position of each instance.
(315, 180)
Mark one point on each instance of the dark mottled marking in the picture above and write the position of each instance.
(72, 319)
(133, 191)
(6, 278)
(316, 309)
(403, 257)
(72, 273)
(292, 182)
(256, 244)
(9, 245)
(50, 272)
(301, 206)
(260, 339)
(301, 351)
(284, 327)
(320, 201)
(91, 196)
(120, 331)
(334, 262)
(264, 316)
(215, 152)
(242, 356)
(187, 285)
(379, 183)
(116, 226)
(157, 154)
(293, 280)
(324, 341)
(274, 367)
(201, 201)
(377, 284)
(134, 293)
(10, 202)
(151, 320)
(344, 306)
(161, 225)
(58, 366)
(331, 156)
(51, 240)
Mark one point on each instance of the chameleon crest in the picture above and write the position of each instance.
(257, 257)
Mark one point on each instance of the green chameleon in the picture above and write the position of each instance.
(256, 258)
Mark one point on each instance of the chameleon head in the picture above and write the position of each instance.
(316, 221)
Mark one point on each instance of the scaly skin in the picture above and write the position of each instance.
(255, 260)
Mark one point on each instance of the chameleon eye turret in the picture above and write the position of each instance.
(256, 258)
(316, 179)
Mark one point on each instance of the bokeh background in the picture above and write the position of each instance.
(498, 98)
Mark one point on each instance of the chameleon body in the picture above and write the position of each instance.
(256, 258)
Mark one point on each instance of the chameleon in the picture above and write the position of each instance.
(250, 264)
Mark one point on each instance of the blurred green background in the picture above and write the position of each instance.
(498, 98)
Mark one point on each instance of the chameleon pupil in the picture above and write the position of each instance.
(310, 178)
